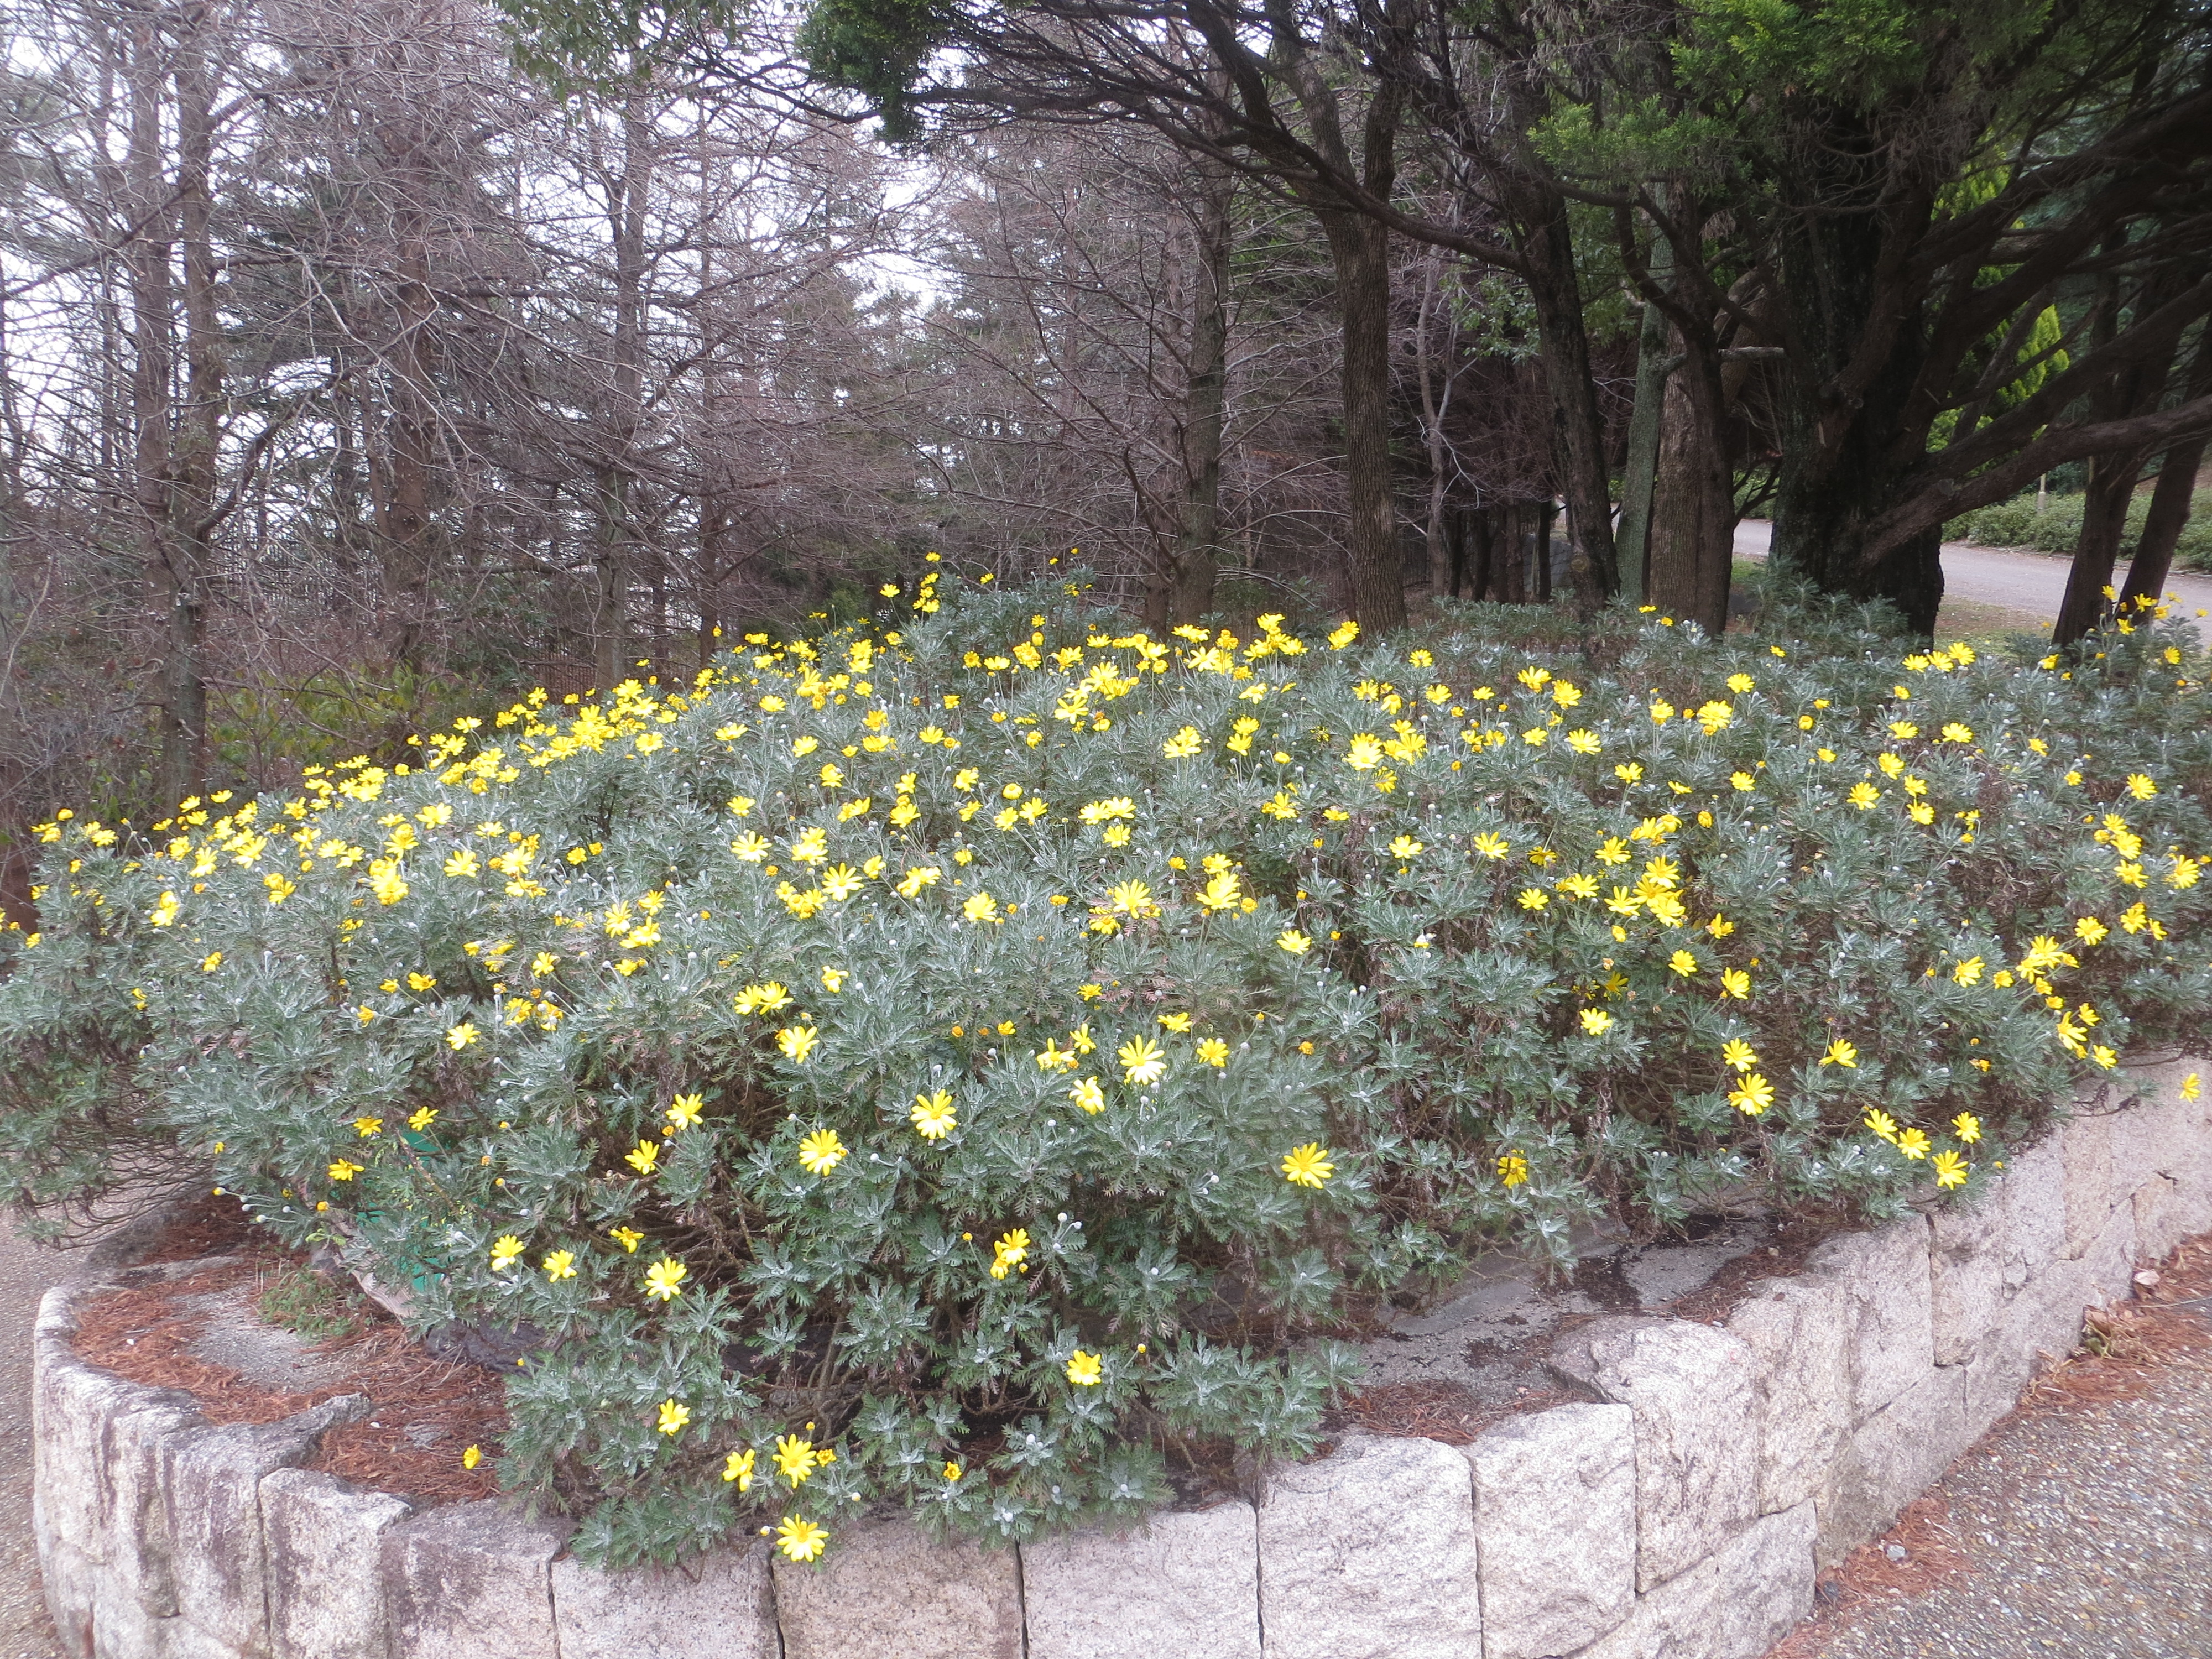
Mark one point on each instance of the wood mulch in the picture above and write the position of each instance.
(426, 1411)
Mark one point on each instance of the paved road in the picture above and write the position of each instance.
(2024, 580)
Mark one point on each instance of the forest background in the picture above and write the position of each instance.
(364, 363)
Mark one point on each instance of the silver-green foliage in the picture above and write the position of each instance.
(1474, 920)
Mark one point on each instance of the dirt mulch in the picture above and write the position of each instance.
(1449, 1412)
(426, 1410)
(1739, 1277)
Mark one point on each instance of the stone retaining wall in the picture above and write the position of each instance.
(1683, 1514)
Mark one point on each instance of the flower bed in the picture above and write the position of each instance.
(987, 1063)
(1683, 1509)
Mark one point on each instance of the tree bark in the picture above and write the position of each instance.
(1206, 402)
(172, 581)
(618, 535)
(2134, 390)
(1359, 248)
(406, 499)
(716, 514)
(1482, 542)
(2171, 498)
(2163, 524)
(1631, 542)
(2097, 551)
(1547, 243)
(1692, 534)
(1841, 465)
(199, 435)
(1436, 400)
(1359, 251)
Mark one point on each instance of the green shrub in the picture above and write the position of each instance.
(974, 1061)
(2058, 527)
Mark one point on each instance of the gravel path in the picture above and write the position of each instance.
(25, 1270)
(2083, 1529)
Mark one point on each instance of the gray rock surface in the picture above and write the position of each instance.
(883, 1591)
(2163, 1152)
(1893, 1340)
(1891, 1457)
(1695, 1394)
(233, 1333)
(471, 1582)
(2092, 1191)
(1200, 1590)
(1982, 1253)
(1798, 1331)
(211, 1488)
(717, 1607)
(1734, 1604)
(1555, 1528)
(71, 1578)
(139, 1551)
(71, 1407)
(1671, 1268)
(1369, 1554)
(1486, 1337)
(323, 1542)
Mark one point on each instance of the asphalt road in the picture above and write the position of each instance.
(2016, 580)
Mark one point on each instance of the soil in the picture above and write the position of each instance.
(1449, 1412)
(205, 1332)
(1787, 1249)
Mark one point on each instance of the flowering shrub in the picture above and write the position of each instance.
(960, 1062)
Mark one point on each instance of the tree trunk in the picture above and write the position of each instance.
(1457, 549)
(617, 535)
(1547, 242)
(406, 496)
(1692, 532)
(1435, 401)
(716, 516)
(197, 440)
(2135, 390)
(1507, 537)
(2171, 498)
(172, 582)
(2097, 550)
(1206, 403)
(1842, 465)
(1482, 541)
(1548, 515)
(2163, 524)
(1632, 544)
(1359, 248)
